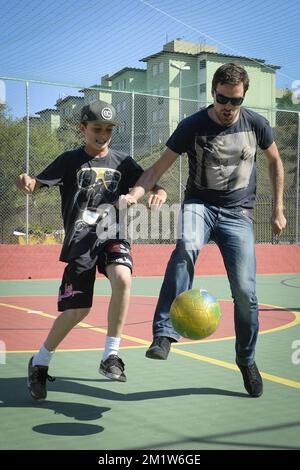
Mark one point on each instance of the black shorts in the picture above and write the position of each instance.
(77, 286)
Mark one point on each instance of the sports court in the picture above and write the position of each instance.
(194, 400)
(154, 63)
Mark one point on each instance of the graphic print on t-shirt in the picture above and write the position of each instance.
(225, 162)
(97, 188)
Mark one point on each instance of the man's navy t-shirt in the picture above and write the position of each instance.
(222, 160)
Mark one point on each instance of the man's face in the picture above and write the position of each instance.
(228, 112)
(98, 135)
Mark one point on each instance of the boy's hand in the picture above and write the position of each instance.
(157, 199)
(26, 183)
(127, 200)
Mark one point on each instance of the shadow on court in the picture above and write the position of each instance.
(13, 393)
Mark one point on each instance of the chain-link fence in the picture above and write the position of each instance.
(30, 142)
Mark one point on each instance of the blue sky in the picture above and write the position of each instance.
(78, 41)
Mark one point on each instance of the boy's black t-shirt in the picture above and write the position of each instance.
(222, 160)
(86, 183)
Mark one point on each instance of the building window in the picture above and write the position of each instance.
(123, 105)
(202, 64)
(119, 107)
(160, 114)
(161, 67)
(154, 70)
(160, 92)
(202, 87)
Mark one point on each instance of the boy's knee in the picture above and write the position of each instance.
(121, 280)
(79, 313)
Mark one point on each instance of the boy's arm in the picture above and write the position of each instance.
(27, 184)
(149, 178)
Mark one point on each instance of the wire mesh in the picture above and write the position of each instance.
(146, 123)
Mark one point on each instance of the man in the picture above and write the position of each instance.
(220, 142)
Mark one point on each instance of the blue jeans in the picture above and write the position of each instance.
(232, 231)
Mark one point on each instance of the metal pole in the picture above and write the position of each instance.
(27, 162)
(180, 156)
(132, 127)
(298, 182)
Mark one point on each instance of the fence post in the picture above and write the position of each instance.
(297, 182)
(132, 127)
(27, 162)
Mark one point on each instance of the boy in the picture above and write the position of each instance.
(90, 178)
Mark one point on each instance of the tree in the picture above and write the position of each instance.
(44, 147)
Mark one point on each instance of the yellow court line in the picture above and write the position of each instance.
(199, 357)
(228, 365)
(295, 322)
(134, 339)
(81, 324)
(75, 350)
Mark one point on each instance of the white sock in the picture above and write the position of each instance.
(43, 357)
(111, 346)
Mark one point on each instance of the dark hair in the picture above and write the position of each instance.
(231, 74)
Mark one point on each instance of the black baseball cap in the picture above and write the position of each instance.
(99, 111)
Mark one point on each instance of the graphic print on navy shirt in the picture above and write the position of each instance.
(95, 188)
(225, 161)
(222, 159)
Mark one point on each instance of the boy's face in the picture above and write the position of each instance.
(98, 135)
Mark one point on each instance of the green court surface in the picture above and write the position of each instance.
(194, 400)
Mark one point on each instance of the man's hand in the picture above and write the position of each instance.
(26, 183)
(157, 199)
(278, 221)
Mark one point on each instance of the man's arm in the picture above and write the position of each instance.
(276, 175)
(27, 184)
(149, 178)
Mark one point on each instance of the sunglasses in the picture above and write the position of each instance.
(221, 99)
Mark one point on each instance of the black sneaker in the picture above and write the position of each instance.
(36, 382)
(160, 348)
(252, 379)
(113, 368)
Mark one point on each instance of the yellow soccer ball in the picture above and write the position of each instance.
(195, 314)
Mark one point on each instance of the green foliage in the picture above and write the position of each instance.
(286, 102)
(44, 147)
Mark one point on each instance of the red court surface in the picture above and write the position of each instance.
(23, 330)
(41, 261)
